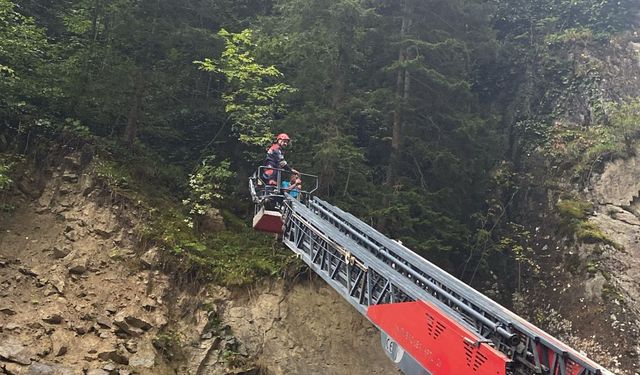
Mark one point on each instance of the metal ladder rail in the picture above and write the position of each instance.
(393, 252)
(365, 280)
(401, 253)
(528, 352)
(419, 264)
(485, 324)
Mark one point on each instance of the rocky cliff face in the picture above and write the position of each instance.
(79, 295)
(615, 194)
(617, 213)
(587, 291)
(74, 298)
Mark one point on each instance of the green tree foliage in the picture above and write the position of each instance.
(544, 69)
(23, 50)
(5, 179)
(252, 97)
(126, 72)
(416, 114)
(422, 183)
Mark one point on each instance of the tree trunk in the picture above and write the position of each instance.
(328, 172)
(402, 94)
(97, 11)
(133, 118)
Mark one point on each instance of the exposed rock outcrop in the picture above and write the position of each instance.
(78, 296)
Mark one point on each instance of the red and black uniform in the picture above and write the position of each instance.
(275, 159)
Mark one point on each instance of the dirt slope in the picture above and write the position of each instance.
(79, 296)
(71, 300)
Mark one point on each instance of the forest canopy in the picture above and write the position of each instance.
(415, 114)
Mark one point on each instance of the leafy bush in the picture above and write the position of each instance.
(7, 164)
(624, 119)
(207, 184)
(75, 128)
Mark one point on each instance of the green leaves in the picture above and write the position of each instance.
(5, 169)
(207, 184)
(23, 49)
(252, 94)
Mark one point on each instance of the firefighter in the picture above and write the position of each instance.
(275, 159)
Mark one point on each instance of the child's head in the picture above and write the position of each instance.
(295, 178)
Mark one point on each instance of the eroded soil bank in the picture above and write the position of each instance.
(79, 295)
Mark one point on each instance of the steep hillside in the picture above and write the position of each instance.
(80, 294)
(581, 201)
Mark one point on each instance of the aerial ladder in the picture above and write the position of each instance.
(431, 323)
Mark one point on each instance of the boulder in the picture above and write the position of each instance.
(104, 323)
(82, 329)
(211, 221)
(70, 177)
(97, 371)
(60, 349)
(7, 310)
(14, 351)
(13, 368)
(131, 346)
(151, 258)
(71, 235)
(138, 323)
(60, 345)
(35, 325)
(103, 231)
(58, 282)
(110, 368)
(146, 359)
(53, 318)
(115, 356)
(28, 271)
(110, 309)
(60, 251)
(87, 185)
(78, 266)
(37, 368)
(124, 327)
(11, 326)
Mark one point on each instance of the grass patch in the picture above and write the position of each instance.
(574, 210)
(233, 257)
(574, 215)
(584, 148)
(588, 232)
(237, 256)
(241, 258)
(593, 267)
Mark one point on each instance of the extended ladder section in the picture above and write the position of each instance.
(431, 322)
